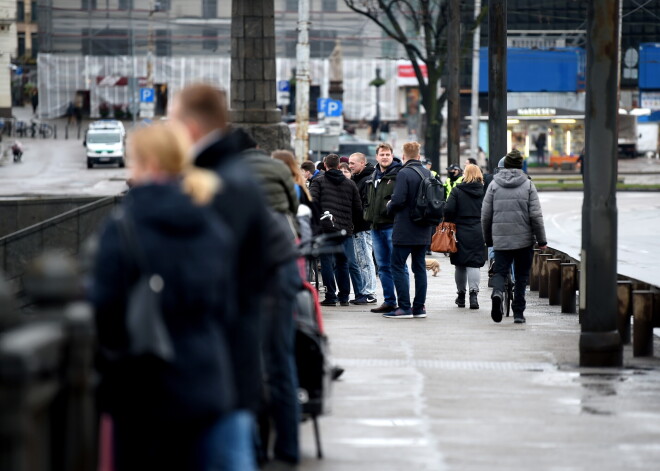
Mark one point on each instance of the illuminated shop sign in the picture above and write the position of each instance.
(537, 112)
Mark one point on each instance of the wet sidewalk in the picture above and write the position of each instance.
(455, 391)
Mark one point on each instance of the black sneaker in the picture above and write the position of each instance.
(371, 299)
(519, 319)
(344, 303)
(328, 302)
(419, 313)
(398, 314)
(360, 300)
(497, 310)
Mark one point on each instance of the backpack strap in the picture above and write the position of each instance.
(419, 172)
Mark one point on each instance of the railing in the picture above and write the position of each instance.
(556, 276)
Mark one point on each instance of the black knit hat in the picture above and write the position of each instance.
(513, 159)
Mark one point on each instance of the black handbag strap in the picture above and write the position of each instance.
(127, 232)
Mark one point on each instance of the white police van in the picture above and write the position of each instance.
(105, 142)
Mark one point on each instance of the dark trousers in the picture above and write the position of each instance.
(522, 261)
(342, 267)
(280, 364)
(417, 254)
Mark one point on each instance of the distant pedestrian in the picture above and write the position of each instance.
(464, 208)
(35, 100)
(379, 190)
(512, 222)
(408, 237)
(362, 170)
(454, 177)
(166, 413)
(339, 203)
(540, 148)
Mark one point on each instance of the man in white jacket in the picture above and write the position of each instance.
(512, 222)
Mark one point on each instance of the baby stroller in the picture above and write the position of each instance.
(17, 151)
(312, 352)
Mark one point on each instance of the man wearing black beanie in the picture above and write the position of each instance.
(512, 222)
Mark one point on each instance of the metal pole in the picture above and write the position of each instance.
(600, 343)
(496, 82)
(302, 83)
(133, 78)
(474, 108)
(453, 100)
(378, 97)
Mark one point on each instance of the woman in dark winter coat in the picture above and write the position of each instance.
(166, 413)
(464, 208)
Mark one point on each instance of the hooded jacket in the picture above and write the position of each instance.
(405, 231)
(379, 190)
(464, 208)
(335, 193)
(511, 215)
(188, 246)
(360, 180)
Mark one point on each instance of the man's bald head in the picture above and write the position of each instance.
(357, 162)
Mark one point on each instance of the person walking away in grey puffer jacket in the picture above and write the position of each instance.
(512, 221)
(464, 208)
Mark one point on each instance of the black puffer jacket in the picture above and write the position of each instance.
(361, 180)
(333, 192)
(464, 208)
(405, 231)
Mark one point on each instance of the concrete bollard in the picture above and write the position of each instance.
(534, 273)
(543, 274)
(568, 287)
(554, 281)
(643, 323)
(624, 294)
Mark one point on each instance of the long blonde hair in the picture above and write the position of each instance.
(290, 161)
(168, 146)
(472, 173)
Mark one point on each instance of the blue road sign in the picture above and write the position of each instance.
(329, 107)
(19, 70)
(283, 86)
(147, 95)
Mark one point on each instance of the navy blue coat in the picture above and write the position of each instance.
(405, 231)
(191, 250)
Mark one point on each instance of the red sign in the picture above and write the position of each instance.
(408, 71)
(117, 81)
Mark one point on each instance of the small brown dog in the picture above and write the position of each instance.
(433, 265)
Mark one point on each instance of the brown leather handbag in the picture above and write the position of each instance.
(444, 239)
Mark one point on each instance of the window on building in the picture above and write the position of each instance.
(291, 5)
(33, 11)
(88, 5)
(209, 9)
(20, 12)
(34, 39)
(163, 43)
(21, 45)
(329, 5)
(322, 42)
(210, 39)
(106, 42)
(162, 5)
(125, 5)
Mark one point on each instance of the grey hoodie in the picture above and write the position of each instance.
(511, 215)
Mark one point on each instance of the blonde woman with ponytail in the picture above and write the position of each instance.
(166, 414)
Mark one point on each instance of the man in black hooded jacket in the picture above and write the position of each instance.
(339, 203)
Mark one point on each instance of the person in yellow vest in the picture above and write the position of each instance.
(454, 177)
(427, 164)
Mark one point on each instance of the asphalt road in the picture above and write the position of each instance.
(56, 167)
(638, 230)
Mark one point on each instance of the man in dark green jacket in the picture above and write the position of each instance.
(379, 189)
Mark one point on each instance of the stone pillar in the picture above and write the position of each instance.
(253, 78)
(8, 43)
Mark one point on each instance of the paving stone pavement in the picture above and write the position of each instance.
(455, 391)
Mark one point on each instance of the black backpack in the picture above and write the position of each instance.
(429, 204)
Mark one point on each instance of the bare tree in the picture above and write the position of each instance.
(429, 19)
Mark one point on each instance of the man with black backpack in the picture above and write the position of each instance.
(416, 205)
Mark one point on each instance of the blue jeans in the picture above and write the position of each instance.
(229, 443)
(522, 261)
(382, 240)
(402, 280)
(343, 268)
(363, 254)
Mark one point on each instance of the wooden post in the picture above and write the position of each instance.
(534, 275)
(568, 287)
(643, 323)
(554, 281)
(543, 274)
(624, 294)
